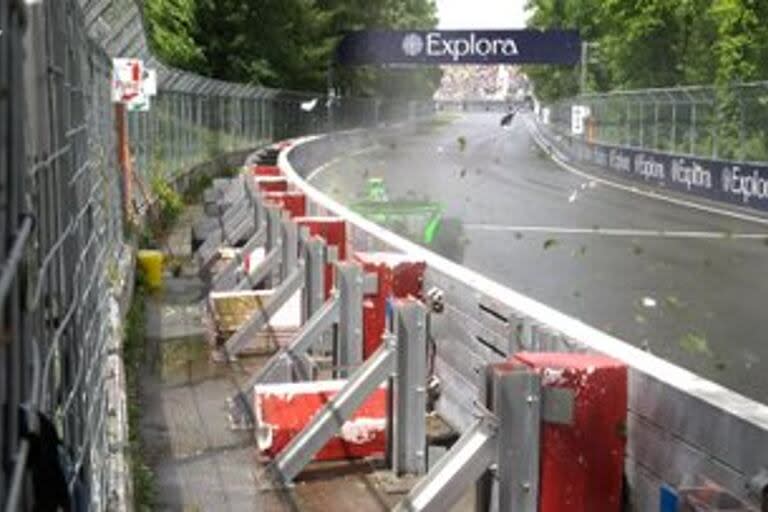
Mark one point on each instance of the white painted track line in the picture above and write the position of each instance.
(617, 232)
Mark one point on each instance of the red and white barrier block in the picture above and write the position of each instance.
(284, 410)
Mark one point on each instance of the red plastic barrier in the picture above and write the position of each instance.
(272, 183)
(334, 231)
(582, 463)
(398, 277)
(283, 410)
(295, 203)
(265, 170)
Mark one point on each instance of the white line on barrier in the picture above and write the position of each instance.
(558, 159)
(649, 233)
(726, 401)
(338, 159)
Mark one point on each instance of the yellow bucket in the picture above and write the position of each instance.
(151, 262)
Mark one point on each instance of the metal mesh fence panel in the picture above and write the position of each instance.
(727, 123)
(61, 217)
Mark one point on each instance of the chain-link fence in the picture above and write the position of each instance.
(61, 219)
(63, 222)
(730, 123)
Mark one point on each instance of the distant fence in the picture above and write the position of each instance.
(700, 121)
(61, 221)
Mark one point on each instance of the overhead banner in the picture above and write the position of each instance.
(459, 47)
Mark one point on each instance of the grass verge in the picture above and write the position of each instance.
(134, 348)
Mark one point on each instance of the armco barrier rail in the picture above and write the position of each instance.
(680, 428)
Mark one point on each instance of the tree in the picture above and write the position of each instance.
(172, 26)
(287, 44)
(657, 43)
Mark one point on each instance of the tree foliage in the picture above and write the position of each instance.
(286, 44)
(657, 43)
(172, 24)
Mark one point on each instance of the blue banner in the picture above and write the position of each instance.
(737, 183)
(459, 47)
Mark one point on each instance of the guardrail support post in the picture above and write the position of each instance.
(517, 399)
(260, 318)
(236, 223)
(348, 346)
(409, 422)
(273, 265)
(228, 277)
(455, 472)
(290, 362)
(499, 453)
(302, 448)
(273, 214)
(289, 247)
(314, 286)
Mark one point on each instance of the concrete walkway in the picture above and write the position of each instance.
(199, 463)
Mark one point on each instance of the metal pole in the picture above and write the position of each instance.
(290, 247)
(692, 141)
(517, 403)
(674, 126)
(450, 478)
(628, 125)
(348, 348)
(583, 77)
(273, 239)
(124, 159)
(331, 95)
(314, 288)
(741, 155)
(409, 424)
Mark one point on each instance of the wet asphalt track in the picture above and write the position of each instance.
(697, 297)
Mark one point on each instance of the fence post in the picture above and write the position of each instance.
(124, 160)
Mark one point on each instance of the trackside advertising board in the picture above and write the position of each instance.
(459, 47)
(737, 183)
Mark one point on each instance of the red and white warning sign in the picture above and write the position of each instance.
(133, 84)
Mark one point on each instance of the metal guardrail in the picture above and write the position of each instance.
(680, 427)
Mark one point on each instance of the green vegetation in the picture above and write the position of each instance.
(657, 43)
(286, 44)
(165, 210)
(133, 356)
(197, 185)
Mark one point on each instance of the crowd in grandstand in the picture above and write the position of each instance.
(479, 82)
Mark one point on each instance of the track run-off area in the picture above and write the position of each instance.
(684, 283)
